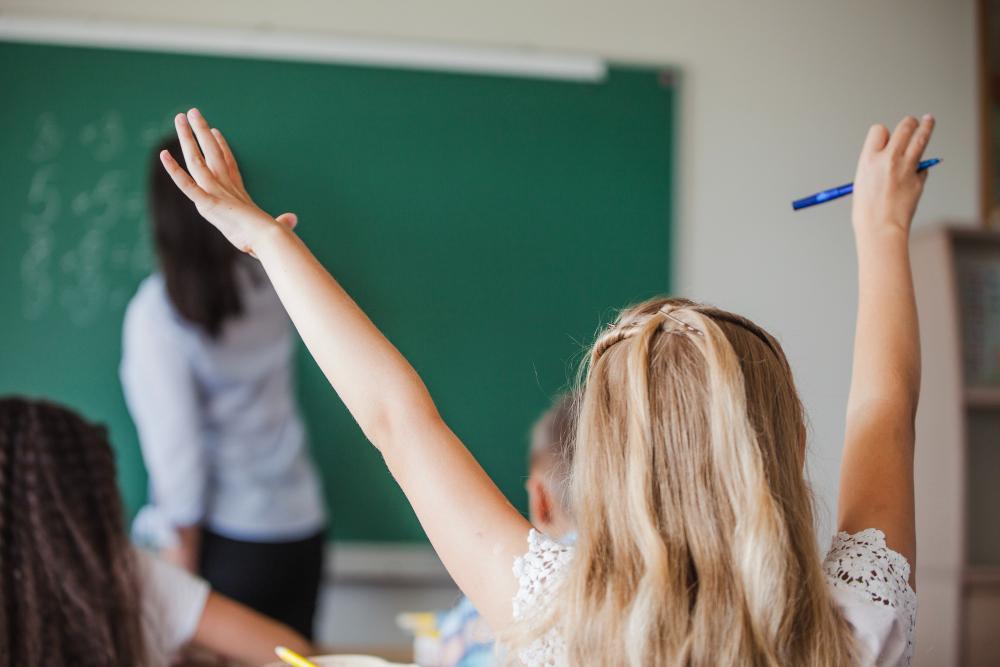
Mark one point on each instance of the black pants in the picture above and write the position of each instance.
(278, 579)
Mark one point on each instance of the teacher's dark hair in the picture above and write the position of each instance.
(69, 589)
(196, 260)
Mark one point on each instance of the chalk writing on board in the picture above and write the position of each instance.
(44, 200)
(103, 205)
(48, 139)
(35, 277)
(83, 298)
(100, 209)
(84, 245)
(142, 261)
(156, 131)
(105, 137)
(44, 207)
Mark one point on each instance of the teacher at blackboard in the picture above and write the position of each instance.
(207, 375)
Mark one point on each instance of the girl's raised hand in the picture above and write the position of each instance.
(215, 185)
(876, 475)
(887, 186)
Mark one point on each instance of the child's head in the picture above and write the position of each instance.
(550, 459)
(68, 589)
(196, 261)
(697, 535)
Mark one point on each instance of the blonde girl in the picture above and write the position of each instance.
(696, 542)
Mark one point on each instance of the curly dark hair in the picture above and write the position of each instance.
(69, 590)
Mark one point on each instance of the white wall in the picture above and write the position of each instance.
(775, 100)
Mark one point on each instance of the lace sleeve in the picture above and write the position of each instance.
(538, 574)
(878, 577)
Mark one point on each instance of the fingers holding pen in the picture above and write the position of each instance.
(876, 139)
(901, 136)
(921, 137)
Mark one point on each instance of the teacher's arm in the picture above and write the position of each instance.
(162, 398)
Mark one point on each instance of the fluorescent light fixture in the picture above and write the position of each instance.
(304, 46)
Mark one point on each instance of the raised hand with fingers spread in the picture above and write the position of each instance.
(215, 184)
(452, 495)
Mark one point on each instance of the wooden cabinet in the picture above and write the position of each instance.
(957, 275)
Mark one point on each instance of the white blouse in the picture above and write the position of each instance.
(218, 423)
(868, 580)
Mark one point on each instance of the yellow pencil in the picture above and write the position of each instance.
(290, 657)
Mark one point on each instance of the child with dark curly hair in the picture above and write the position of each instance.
(73, 590)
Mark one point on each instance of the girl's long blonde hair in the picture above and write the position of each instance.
(696, 543)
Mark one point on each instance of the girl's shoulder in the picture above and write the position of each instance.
(538, 571)
(870, 584)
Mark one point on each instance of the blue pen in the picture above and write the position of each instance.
(842, 190)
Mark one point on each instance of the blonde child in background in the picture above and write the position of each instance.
(696, 542)
(550, 461)
(466, 638)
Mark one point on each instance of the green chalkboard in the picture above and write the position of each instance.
(488, 225)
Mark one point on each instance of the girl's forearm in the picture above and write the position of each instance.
(232, 630)
(887, 343)
(375, 382)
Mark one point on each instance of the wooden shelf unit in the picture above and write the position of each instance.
(982, 576)
(957, 468)
(982, 397)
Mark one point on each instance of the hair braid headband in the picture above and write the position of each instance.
(684, 325)
(617, 331)
(662, 311)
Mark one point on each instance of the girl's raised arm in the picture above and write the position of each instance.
(876, 482)
(473, 528)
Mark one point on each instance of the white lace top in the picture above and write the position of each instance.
(868, 581)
